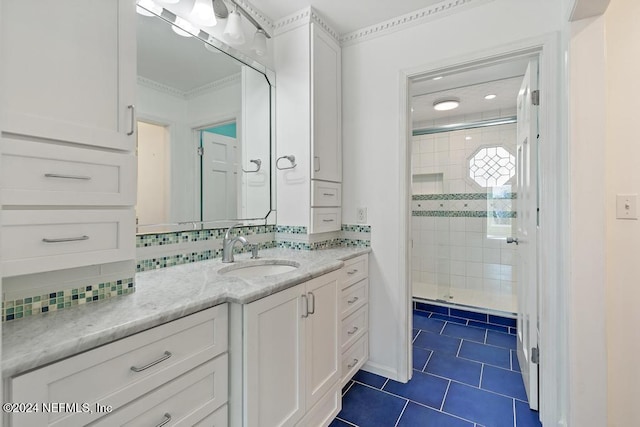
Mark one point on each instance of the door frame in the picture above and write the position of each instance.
(554, 205)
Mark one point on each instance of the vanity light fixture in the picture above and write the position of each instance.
(170, 1)
(203, 14)
(148, 8)
(446, 104)
(184, 28)
(490, 96)
(260, 42)
(233, 30)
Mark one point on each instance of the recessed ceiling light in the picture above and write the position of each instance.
(437, 78)
(468, 138)
(446, 104)
(490, 96)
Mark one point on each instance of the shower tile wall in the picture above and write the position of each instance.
(455, 252)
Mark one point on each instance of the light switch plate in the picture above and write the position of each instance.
(627, 206)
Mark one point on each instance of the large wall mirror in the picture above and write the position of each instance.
(204, 132)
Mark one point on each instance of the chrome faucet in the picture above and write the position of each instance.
(229, 242)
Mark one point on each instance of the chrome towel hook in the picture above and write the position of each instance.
(291, 158)
(258, 163)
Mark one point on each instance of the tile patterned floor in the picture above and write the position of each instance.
(465, 374)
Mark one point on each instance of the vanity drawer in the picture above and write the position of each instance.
(354, 297)
(354, 326)
(326, 193)
(36, 173)
(220, 418)
(184, 401)
(44, 240)
(326, 219)
(354, 270)
(354, 358)
(106, 375)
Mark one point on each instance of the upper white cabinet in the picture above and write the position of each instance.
(326, 107)
(67, 122)
(308, 111)
(69, 71)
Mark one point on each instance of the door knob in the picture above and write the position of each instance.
(512, 240)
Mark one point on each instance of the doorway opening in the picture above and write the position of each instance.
(154, 173)
(474, 195)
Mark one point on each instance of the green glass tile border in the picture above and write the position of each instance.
(357, 228)
(59, 300)
(187, 258)
(161, 239)
(466, 214)
(291, 229)
(464, 196)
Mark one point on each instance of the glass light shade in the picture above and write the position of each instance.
(446, 104)
(233, 30)
(184, 28)
(260, 42)
(148, 8)
(202, 13)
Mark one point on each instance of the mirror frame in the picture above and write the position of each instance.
(270, 76)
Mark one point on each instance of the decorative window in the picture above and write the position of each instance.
(492, 167)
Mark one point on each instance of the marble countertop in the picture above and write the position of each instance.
(161, 296)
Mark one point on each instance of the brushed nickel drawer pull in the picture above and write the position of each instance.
(328, 194)
(132, 108)
(354, 363)
(65, 239)
(327, 220)
(313, 303)
(165, 420)
(306, 306)
(352, 301)
(145, 367)
(59, 175)
(353, 331)
(352, 272)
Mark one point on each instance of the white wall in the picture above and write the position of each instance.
(371, 112)
(622, 35)
(586, 326)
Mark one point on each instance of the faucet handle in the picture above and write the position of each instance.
(254, 251)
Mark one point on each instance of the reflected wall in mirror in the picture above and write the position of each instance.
(204, 133)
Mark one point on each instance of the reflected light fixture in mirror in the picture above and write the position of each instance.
(184, 28)
(233, 30)
(260, 42)
(148, 8)
(202, 13)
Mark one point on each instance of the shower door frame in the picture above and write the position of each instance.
(554, 203)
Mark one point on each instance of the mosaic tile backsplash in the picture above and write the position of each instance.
(54, 301)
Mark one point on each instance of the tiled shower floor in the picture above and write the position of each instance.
(465, 374)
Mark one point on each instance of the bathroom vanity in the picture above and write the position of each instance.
(198, 345)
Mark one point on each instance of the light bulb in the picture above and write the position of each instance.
(148, 8)
(203, 14)
(184, 28)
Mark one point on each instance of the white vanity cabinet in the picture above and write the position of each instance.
(354, 313)
(67, 158)
(308, 90)
(291, 356)
(177, 371)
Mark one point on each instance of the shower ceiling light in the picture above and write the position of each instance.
(446, 104)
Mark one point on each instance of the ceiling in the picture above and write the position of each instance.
(344, 16)
(470, 87)
(181, 63)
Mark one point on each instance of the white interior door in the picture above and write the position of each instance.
(527, 230)
(219, 177)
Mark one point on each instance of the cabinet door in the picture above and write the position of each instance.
(326, 106)
(322, 339)
(69, 70)
(274, 358)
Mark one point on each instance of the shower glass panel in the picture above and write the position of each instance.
(463, 209)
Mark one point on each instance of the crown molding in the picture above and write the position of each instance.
(261, 18)
(417, 17)
(209, 87)
(303, 17)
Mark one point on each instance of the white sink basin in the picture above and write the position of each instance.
(258, 268)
